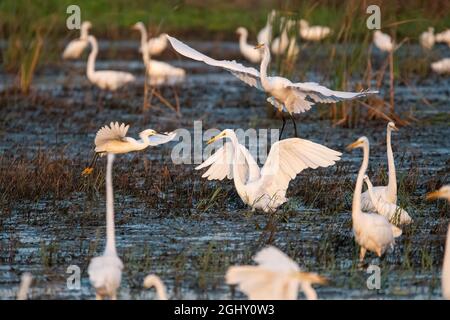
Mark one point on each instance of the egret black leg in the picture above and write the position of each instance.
(295, 125)
(282, 127)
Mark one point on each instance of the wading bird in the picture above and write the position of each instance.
(386, 193)
(265, 189)
(158, 72)
(265, 34)
(372, 231)
(442, 66)
(284, 94)
(105, 79)
(113, 139)
(276, 277)
(105, 271)
(75, 48)
(247, 50)
(154, 281)
(427, 38)
(443, 36)
(383, 41)
(25, 282)
(313, 33)
(391, 211)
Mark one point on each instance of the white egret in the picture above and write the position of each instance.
(443, 36)
(75, 48)
(313, 33)
(280, 44)
(105, 271)
(105, 79)
(391, 211)
(157, 71)
(265, 188)
(154, 281)
(247, 50)
(427, 38)
(386, 193)
(442, 66)
(276, 277)
(25, 282)
(372, 231)
(383, 41)
(265, 34)
(284, 94)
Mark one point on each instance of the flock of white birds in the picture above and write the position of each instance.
(376, 217)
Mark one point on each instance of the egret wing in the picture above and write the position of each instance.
(113, 132)
(158, 138)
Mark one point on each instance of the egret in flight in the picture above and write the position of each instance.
(154, 281)
(386, 193)
(313, 33)
(25, 282)
(246, 49)
(75, 48)
(105, 271)
(372, 231)
(113, 139)
(284, 94)
(265, 189)
(276, 277)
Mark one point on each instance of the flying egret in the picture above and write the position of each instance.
(265, 188)
(113, 139)
(386, 193)
(105, 271)
(372, 231)
(154, 281)
(247, 50)
(105, 79)
(75, 48)
(389, 210)
(442, 66)
(427, 38)
(157, 71)
(443, 36)
(265, 34)
(25, 282)
(284, 95)
(276, 277)
(313, 33)
(383, 41)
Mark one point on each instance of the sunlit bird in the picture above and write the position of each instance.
(265, 34)
(24, 287)
(265, 189)
(427, 38)
(105, 271)
(284, 95)
(442, 66)
(313, 33)
(151, 281)
(75, 48)
(246, 49)
(443, 36)
(383, 41)
(276, 277)
(372, 231)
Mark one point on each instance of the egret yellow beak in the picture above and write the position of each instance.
(353, 145)
(259, 46)
(311, 277)
(434, 195)
(213, 139)
(87, 171)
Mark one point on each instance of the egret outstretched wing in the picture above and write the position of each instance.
(113, 132)
(158, 138)
(247, 74)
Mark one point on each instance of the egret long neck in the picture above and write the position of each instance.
(84, 31)
(91, 59)
(160, 289)
(110, 233)
(356, 204)
(392, 184)
(243, 39)
(144, 47)
(263, 68)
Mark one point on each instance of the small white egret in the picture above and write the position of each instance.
(442, 66)
(113, 139)
(427, 38)
(75, 48)
(105, 271)
(443, 36)
(372, 231)
(25, 282)
(154, 281)
(276, 277)
(313, 33)
(391, 211)
(383, 41)
(386, 193)
(105, 79)
(265, 34)
(247, 50)
(284, 94)
(265, 188)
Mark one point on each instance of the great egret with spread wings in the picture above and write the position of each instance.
(283, 94)
(265, 188)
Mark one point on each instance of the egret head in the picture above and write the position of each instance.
(443, 192)
(224, 134)
(138, 26)
(241, 31)
(86, 25)
(358, 143)
(150, 280)
(391, 125)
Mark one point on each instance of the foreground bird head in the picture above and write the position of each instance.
(391, 125)
(224, 134)
(443, 192)
(358, 143)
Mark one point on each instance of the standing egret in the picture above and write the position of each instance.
(105, 271)
(443, 36)
(105, 79)
(442, 66)
(276, 277)
(386, 193)
(372, 231)
(313, 33)
(247, 50)
(265, 188)
(154, 281)
(427, 38)
(75, 48)
(265, 34)
(25, 282)
(284, 95)
(389, 210)
(113, 139)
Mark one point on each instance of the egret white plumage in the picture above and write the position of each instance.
(276, 277)
(265, 34)
(265, 188)
(105, 79)
(313, 33)
(113, 139)
(391, 211)
(105, 271)
(24, 287)
(383, 41)
(153, 280)
(372, 231)
(386, 193)
(284, 94)
(246, 49)
(442, 66)
(427, 38)
(75, 48)
(443, 36)
(280, 44)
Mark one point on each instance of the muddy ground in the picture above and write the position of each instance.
(187, 230)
